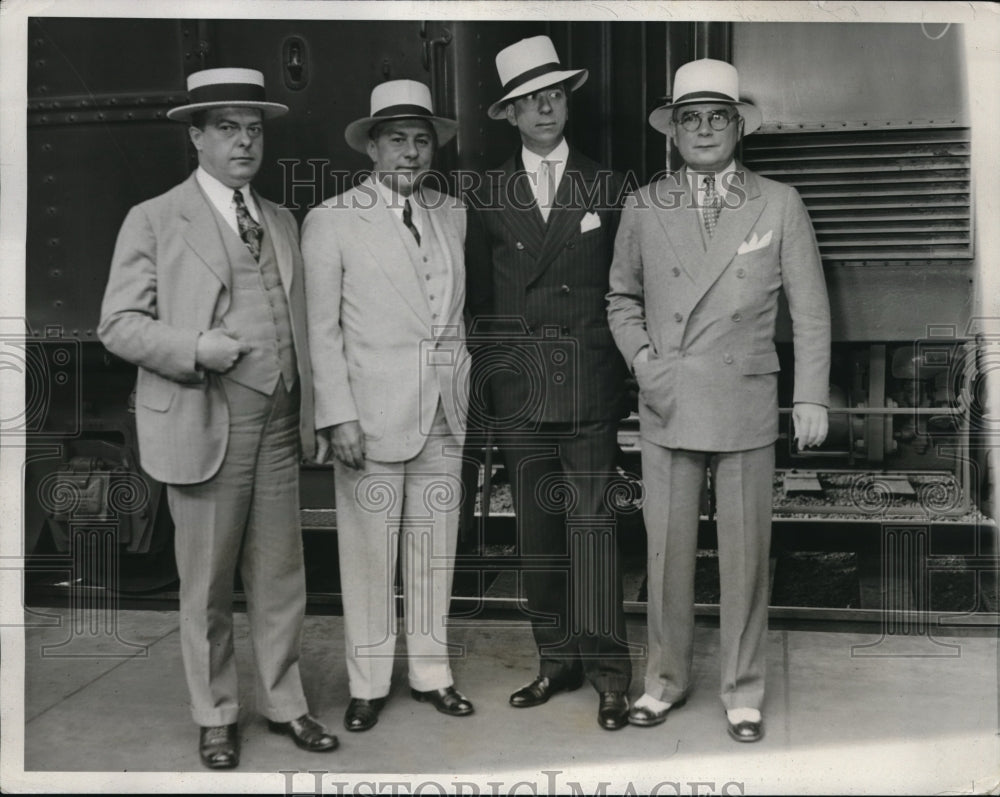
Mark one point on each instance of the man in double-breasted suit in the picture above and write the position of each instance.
(700, 258)
(540, 245)
(205, 296)
(385, 282)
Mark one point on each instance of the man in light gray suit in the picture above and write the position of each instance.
(385, 292)
(700, 258)
(205, 296)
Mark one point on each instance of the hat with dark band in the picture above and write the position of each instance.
(399, 99)
(224, 88)
(529, 65)
(704, 81)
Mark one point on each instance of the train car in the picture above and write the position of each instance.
(869, 122)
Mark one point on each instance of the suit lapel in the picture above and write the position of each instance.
(565, 216)
(383, 239)
(681, 223)
(282, 247)
(520, 211)
(732, 229)
(202, 232)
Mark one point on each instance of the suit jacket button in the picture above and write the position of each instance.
(564, 288)
(737, 317)
(571, 245)
(727, 359)
(678, 317)
(519, 245)
(740, 273)
(677, 271)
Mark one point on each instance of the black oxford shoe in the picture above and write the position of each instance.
(307, 733)
(447, 701)
(612, 712)
(542, 688)
(745, 731)
(362, 714)
(219, 746)
(647, 718)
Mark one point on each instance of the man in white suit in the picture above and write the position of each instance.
(385, 292)
(205, 296)
(700, 258)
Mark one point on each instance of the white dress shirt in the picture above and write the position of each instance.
(533, 164)
(395, 202)
(221, 197)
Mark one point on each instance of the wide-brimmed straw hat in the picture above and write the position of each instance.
(706, 80)
(226, 87)
(530, 65)
(399, 99)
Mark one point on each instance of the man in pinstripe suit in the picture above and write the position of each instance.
(540, 244)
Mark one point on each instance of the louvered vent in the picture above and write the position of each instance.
(877, 195)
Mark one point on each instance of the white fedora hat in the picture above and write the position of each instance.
(530, 65)
(706, 80)
(226, 87)
(399, 99)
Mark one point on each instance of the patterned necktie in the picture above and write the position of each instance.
(408, 220)
(250, 231)
(546, 187)
(713, 206)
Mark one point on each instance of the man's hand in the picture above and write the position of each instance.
(218, 350)
(641, 356)
(348, 442)
(811, 424)
(324, 444)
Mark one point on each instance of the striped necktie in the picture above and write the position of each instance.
(408, 220)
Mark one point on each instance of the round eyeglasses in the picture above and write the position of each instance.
(717, 120)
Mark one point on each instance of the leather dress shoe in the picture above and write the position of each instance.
(362, 714)
(219, 746)
(542, 688)
(447, 701)
(745, 731)
(307, 733)
(647, 718)
(612, 712)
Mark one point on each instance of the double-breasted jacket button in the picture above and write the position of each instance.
(519, 246)
(678, 317)
(677, 271)
(564, 288)
(727, 358)
(737, 317)
(741, 273)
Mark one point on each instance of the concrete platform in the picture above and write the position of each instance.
(105, 709)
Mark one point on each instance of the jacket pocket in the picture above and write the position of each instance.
(766, 363)
(154, 392)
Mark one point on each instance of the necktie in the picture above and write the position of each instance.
(250, 231)
(408, 220)
(546, 187)
(712, 207)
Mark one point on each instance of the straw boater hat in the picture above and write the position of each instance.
(399, 99)
(530, 65)
(706, 80)
(227, 87)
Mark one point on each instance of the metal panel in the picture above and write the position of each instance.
(852, 74)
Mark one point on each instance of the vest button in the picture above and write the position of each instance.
(519, 245)
(677, 271)
(727, 359)
(737, 317)
(678, 317)
(427, 276)
(425, 258)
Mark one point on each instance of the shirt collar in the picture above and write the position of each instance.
(221, 194)
(393, 200)
(722, 178)
(533, 161)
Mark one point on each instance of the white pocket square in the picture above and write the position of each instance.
(753, 243)
(590, 222)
